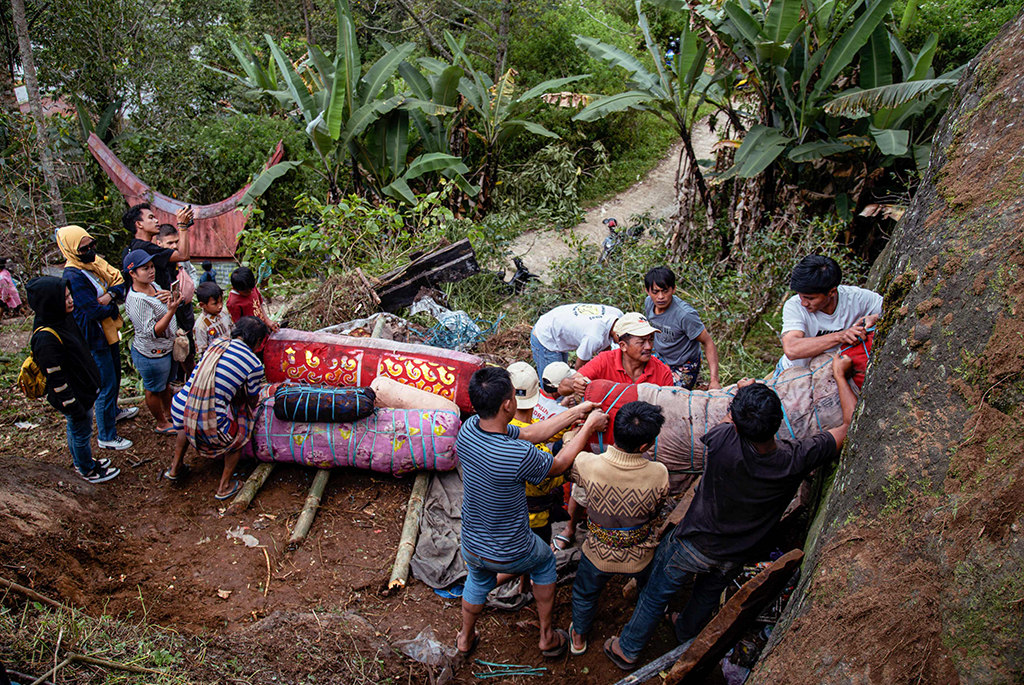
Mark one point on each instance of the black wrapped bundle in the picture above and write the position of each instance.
(318, 404)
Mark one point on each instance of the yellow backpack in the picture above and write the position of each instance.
(31, 378)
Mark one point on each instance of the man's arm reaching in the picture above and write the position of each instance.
(596, 422)
(543, 431)
(842, 367)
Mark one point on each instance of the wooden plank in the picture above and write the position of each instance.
(726, 627)
(428, 261)
(447, 265)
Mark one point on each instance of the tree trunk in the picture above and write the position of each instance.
(32, 85)
(305, 21)
(915, 571)
(501, 55)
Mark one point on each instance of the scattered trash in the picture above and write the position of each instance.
(425, 648)
(224, 594)
(734, 674)
(26, 425)
(496, 670)
(203, 540)
(240, 534)
(454, 330)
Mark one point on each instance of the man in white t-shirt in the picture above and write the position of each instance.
(585, 328)
(823, 315)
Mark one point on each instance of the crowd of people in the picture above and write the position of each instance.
(77, 333)
(529, 438)
(531, 432)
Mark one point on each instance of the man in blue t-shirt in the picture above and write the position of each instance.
(497, 461)
(681, 332)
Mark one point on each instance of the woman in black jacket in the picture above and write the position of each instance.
(72, 378)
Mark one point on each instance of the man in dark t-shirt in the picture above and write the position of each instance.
(749, 479)
(142, 223)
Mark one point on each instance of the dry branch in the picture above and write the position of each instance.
(410, 531)
(252, 485)
(316, 492)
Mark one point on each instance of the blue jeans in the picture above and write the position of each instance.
(542, 356)
(156, 372)
(109, 363)
(79, 434)
(675, 562)
(587, 588)
(481, 575)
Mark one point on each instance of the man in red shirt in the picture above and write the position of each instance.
(630, 363)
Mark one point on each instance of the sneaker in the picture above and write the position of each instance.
(117, 443)
(103, 463)
(100, 474)
(125, 413)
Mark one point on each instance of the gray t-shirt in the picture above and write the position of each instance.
(679, 325)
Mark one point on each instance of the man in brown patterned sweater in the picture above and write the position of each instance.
(625, 492)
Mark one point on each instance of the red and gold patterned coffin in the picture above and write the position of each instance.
(326, 359)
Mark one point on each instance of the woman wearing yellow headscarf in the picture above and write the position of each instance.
(97, 287)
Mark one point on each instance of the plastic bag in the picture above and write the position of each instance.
(425, 648)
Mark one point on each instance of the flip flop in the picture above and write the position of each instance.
(572, 645)
(563, 645)
(615, 658)
(472, 646)
(454, 592)
(165, 431)
(561, 538)
(234, 491)
(174, 479)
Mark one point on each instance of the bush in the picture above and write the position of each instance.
(964, 27)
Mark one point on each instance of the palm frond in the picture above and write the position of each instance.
(886, 97)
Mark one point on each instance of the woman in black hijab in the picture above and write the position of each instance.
(72, 378)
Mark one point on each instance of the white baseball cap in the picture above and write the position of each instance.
(556, 372)
(634, 323)
(524, 380)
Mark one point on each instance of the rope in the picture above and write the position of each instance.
(465, 332)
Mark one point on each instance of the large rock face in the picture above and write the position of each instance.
(914, 571)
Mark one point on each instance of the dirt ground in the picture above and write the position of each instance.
(141, 547)
(655, 193)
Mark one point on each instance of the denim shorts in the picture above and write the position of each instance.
(155, 371)
(482, 575)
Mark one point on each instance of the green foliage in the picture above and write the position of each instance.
(963, 27)
(332, 238)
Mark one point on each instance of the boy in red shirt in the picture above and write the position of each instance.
(245, 298)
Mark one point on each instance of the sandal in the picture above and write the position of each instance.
(237, 485)
(615, 658)
(572, 645)
(166, 431)
(174, 479)
(567, 543)
(563, 644)
(472, 645)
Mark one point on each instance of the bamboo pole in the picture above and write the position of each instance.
(316, 491)
(410, 532)
(252, 485)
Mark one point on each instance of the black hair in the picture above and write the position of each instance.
(166, 230)
(637, 424)
(3, 262)
(242, 278)
(757, 412)
(251, 330)
(208, 291)
(660, 276)
(815, 274)
(133, 215)
(207, 265)
(488, 388)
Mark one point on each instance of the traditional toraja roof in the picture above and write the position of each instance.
(217, 226)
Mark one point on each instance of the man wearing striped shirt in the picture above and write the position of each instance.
(497, 461)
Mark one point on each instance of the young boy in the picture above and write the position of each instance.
(214, 322)
(682, 333)
(155, 329)
(245, 298)
(625, 493)
(185, 274)
(208, 275)
(539, 499)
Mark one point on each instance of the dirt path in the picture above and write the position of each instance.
(655, 193)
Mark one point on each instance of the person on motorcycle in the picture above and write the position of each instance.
(682, 334)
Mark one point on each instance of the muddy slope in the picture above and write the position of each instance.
(915, 571)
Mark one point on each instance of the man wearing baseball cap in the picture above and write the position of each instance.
(630, 363)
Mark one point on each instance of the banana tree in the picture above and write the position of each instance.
(260, 81)
(668, 94)
(496, 115)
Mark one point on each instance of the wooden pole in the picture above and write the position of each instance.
(309, 510)
(645, 673)
(255, 481)
(410, 531)
(31, 594)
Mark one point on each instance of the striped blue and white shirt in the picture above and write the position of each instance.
(238, 367)
(495, 470)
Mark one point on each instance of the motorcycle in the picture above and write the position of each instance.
(618, 237)
(520, 278)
